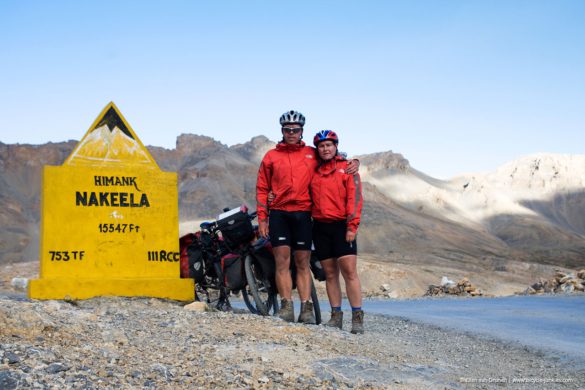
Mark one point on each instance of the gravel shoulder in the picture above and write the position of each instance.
(405, 276)
(152, 343)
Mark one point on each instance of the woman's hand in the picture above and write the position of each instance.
(271, 197)
(263, 228)
(353, 166)
(349, 236)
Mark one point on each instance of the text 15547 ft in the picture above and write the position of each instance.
(118, 228)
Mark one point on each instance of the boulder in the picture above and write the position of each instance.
(566, 278)
(19, 284)
(197, 306)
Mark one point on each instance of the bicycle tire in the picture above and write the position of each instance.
(272, 303)
(262, 307)
(316, 305)
(249, 301)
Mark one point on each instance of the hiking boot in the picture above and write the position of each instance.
(287, 310)
(336, 320)
(357, 322)
(307, 315)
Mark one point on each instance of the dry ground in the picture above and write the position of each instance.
(405, 276)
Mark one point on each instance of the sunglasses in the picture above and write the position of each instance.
(292, 130)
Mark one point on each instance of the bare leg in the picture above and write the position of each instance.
(353, 288)
(332, 281)
(302, 258)
(283, 278)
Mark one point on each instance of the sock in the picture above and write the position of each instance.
(356, 308)
(335, 309)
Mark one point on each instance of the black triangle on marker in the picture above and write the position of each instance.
(113, 120)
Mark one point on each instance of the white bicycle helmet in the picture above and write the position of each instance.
(292, 117)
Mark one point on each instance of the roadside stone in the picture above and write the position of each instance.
(19, 284)
(530, 290)
(55, 368)
(197, 307)
(9, 380)
(161, 371)
(263, 379)
(448, 287)
(11, 358)
(562, 282)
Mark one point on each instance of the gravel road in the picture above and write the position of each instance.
(153, 343)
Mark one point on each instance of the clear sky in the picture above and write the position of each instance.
(454, 86)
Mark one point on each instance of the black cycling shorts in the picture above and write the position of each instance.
(290, 228)
(329, 240)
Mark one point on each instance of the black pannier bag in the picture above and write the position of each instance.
(196, 262)
(317, 268)
(192, 257)
(236, 227)
(265, 258)
(232, 267)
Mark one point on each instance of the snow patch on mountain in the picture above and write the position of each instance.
(477, 197)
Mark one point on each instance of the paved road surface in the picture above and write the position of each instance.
(554, 323)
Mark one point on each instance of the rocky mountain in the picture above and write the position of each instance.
(531, 209)
(21, 169)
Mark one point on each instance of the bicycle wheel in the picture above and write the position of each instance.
(258, 287)
(316, 305)
(251, 303)
(248, 300)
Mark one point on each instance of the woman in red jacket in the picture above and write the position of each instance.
(337, 206)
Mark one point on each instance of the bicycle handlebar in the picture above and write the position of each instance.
(208, 225)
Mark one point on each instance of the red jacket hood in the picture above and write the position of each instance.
(284, 147)
(328, 167)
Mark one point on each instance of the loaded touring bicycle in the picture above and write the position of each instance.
(227, 256)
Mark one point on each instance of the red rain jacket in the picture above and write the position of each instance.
(336, 195)
(287, 171)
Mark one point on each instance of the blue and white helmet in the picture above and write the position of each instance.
(325, 135)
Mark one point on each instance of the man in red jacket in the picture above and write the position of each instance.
(286, 172)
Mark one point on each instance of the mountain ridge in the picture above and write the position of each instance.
(530, 209)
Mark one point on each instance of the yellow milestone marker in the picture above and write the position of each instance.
(109, 220)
